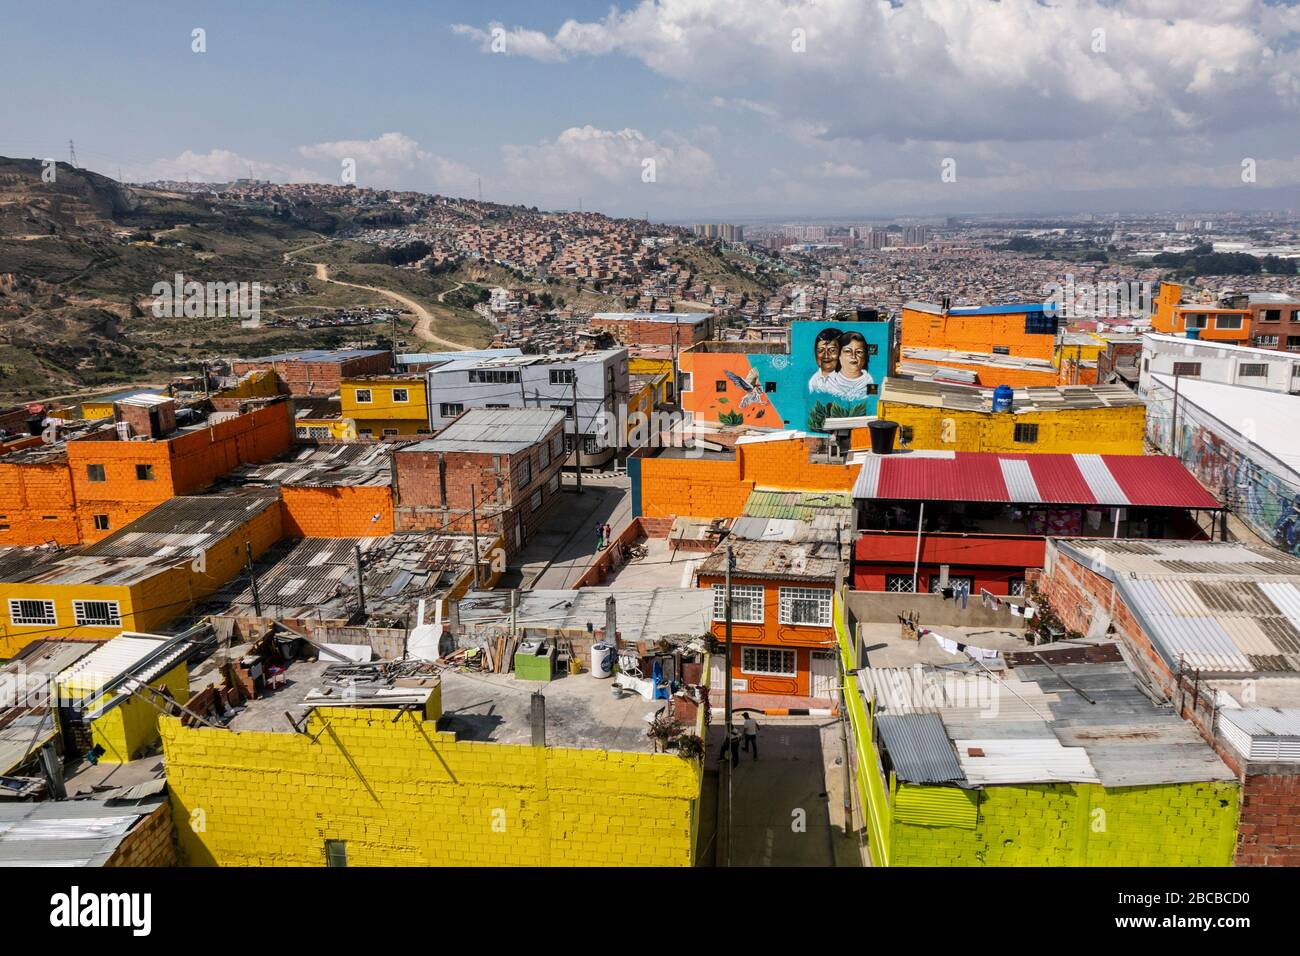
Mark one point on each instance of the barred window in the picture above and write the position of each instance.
(97, 613)
(1025, 434)
(955, 581)
(23, 611)
(1253, 370)
(1016, 587)
(768, 660)
(806, 606)
(1187, 368)
(746, 603)
(899, 583)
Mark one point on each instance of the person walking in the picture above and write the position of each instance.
(731, 743)
(609, 536)
(751, 734)
(600, 537)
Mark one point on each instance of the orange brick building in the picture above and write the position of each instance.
(94, 484)
(1028, 331)
(686, 482)
(333, 491)
(318, 371)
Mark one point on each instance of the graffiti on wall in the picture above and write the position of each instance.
(832, 370)
(1224, 464)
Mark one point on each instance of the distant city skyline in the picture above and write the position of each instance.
(683, 110)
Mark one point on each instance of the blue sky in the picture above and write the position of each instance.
(780, 108)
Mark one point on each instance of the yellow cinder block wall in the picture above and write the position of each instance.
(130, 728)
(404, 793)
(1102, 431)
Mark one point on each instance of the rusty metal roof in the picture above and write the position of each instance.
(180, 526)
(345, 465)
(1054, 398)
(814, 560)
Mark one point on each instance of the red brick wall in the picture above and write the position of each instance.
(639, 332)
(1269, 831)
(319, 378)
(149, 843)
(337, 512)
(37, 504)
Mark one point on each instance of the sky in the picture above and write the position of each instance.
(685, 110)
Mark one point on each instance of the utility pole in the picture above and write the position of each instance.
(473, 519)
(726, 729)
(361, 584)
(1173, 422)
(577, 439)
(252, 579)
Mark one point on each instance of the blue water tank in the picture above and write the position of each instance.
(1193, 333)
(1002, 398)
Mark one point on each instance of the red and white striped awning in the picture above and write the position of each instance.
(1155, 481)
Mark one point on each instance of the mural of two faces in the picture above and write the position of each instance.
(832, 370)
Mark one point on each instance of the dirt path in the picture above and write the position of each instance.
(423, 317)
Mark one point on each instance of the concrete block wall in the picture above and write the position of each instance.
(344, 512)
(1191, 824)
(37, 505)
(151, 842)
(1102, 431)
(406, 793)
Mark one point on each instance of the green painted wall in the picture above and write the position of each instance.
(1191, 824)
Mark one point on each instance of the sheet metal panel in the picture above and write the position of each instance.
(919, 748)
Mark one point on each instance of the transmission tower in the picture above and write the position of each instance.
(72, 151)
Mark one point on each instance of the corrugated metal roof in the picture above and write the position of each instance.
(987, 761)
(932, 394)
(116, 657)
(813, 560)
(919, 748)
(181, 525)
(1106, 480)
(802, 505)
(67, 832)
(343, 465)
(1262, 733)
(331, 356)
(493, 431)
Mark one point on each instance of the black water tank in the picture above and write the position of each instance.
(34, 424)
(882, 436)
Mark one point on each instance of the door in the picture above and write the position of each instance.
(718, 671)
(823, 676)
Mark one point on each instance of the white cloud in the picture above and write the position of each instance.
(395, 160)
(219, 166)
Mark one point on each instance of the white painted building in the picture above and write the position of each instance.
(586, 386)
(1218, 362)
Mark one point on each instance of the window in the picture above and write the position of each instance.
(720, 385)
(1253, 370)
(686, 381)
(559, 445)
(494, 376)
(569, 411)
(898, 583)
(955, 581)
(336, 853)
(400, 396)
(805, 606)
(1187, 368)
(390, 432)
(497, 406)
(450, 409)
(144, 472)
(1195, 320)
(1026, 434)
(365, 433)
(101, 522)
(905, 434)
(553, 485)
(544, 455)
(1001, 350)
(746, 603)
(769, 386)
(95, 473)
(562, 376)
(97, 613)
(318, 431)
(1293, 343)
(535, 502)
(1266, 341)
(1016, 587)
(363, 396)
(524, 476)
(32, 612)
(1227, 322)
(1272, 315)
(767, 660)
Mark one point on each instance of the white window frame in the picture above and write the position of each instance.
(404, 392)
(1256, 370)
(368, 400)
(748, 665)
(18, 619)
(390, 432)
(904, 578)
(563, 376)
(742, 596)
(444, 412)
(1201, 318)
(1219, 321)
(787, 596)
(114, 614)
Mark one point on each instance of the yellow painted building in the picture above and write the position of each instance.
(122, 722)
(386, 405)
(363, 787)
(102, 407)
(138, 578)
(1064, 419)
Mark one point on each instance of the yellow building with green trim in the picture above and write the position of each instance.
(386, 405)
(1064, 763)
(1065, 419)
